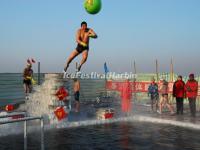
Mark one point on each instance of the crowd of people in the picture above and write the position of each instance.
(160, 95)
(28, 81)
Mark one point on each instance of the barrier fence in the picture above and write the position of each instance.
(25, 119)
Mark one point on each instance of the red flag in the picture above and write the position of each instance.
(28, 61)
(60, 113)
(33, 61)
(62, 93)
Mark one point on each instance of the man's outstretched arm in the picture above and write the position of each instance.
(92, 34)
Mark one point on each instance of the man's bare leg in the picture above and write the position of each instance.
(77, 106)
(84, 59)
(69, 60)
(25, 88)
(29, 88)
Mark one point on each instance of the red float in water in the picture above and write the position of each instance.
(9, 107)
(60, 113)
(108, 115)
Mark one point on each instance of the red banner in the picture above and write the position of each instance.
(135, 86)
(9, 107)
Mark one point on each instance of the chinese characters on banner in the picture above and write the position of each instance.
(137, 86)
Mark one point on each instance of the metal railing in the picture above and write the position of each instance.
(13, 114)
(25, 126)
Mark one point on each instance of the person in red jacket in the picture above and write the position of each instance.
(126, 96)
(179, 93)
(191, 88)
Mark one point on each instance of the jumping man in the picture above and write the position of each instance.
(27, 75)
(82, 38)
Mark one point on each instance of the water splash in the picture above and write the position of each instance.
(74, 124)
(133, 118)
(6, 129)
(43, 100)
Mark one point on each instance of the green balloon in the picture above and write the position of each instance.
(92, 6)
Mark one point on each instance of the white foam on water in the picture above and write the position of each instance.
(7, 129)
(38, 104)
(134, 118)
(44, 96)
(66, 124)
(167, 122)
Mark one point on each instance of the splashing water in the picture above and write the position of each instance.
(43, 101)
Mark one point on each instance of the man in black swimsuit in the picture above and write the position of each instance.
(27, 75)
(76, 94)
(82, 38)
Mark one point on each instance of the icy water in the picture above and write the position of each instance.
(115, 136)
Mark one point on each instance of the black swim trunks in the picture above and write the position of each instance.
(164, 94)
(76, 95)
(81, 48)
(154, 97)
(27, 82)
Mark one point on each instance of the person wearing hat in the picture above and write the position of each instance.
(179, 93)
(191, 89)
(27, 76)
(126, 96)
(153, 93)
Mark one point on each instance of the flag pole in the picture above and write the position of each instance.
(171, 70)
(157, 77)
(105, 79)
(134, 80)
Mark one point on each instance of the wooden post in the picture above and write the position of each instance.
(157, 77)
(105, 91)
(171, 71)
(134, 80)
(135, 71)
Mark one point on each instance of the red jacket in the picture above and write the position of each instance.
(179, 89)
(191, 88)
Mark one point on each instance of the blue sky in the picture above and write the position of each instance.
(140, 30)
